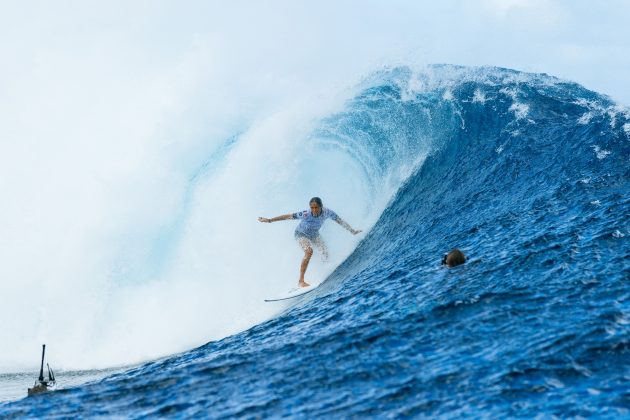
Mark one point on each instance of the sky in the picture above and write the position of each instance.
(107, 108)
(580, 40)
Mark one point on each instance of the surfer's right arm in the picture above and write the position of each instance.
(276, 219)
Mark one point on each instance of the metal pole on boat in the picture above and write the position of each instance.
(41, 370)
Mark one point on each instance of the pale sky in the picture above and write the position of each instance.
(581, 40)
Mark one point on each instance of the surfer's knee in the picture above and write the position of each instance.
(454, 258)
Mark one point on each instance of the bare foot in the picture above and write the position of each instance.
(303, 284)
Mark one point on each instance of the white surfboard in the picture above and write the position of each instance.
(294, 293)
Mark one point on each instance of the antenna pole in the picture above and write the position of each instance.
(41, 370)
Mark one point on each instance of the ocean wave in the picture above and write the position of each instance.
(488, 160)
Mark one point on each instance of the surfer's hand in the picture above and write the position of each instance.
(356, 232)
(264, 220)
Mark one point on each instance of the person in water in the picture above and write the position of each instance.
(454, 258)
(307, 232)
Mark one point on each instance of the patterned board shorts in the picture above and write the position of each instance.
(314, 239)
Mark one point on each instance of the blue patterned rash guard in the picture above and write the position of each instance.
(309, 225)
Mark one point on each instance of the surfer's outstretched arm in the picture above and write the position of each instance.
(346, 226)
(276, 219)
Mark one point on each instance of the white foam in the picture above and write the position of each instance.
(600, 153)
(585, 118)
(520, 110)
(479, 97)
(115, 255)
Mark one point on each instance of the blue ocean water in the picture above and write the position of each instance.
(530, 176)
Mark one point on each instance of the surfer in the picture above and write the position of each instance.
(307, 232)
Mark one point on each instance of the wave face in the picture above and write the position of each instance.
(529, 176)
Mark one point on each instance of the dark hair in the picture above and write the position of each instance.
(453, 258)
(316, 200)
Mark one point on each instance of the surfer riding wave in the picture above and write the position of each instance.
(307, 232)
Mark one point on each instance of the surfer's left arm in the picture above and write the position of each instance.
(346, 226)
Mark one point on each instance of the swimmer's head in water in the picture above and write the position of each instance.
(453, 258)
(316, 205)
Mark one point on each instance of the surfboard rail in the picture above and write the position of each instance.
(294, 293)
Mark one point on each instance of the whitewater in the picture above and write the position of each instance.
(528, 174)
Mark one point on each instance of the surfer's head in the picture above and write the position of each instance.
(453, 258)
(316, 205)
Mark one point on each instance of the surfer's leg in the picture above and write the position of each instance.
(308, 253)
(321, 247)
